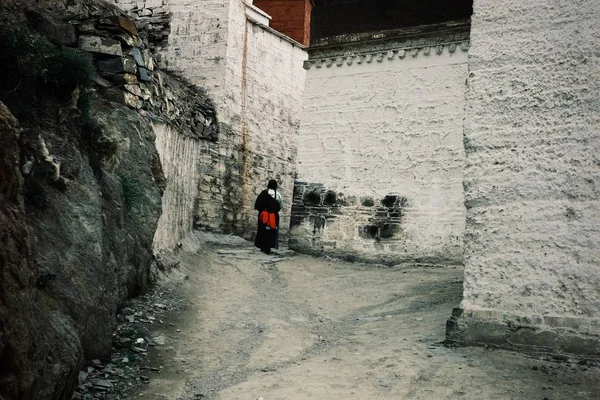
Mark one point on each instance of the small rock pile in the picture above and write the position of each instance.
(112, 379)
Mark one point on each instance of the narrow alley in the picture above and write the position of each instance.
(297, 327)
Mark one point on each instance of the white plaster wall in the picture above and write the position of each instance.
(198, 42)
(263, 86)
(179, 156)
(532, 133)
(274, 84)
(389, 127)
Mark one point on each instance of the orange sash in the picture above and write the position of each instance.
(268, 219)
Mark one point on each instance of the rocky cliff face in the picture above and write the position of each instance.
(80, 183)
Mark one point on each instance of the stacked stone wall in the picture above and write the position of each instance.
(189, 37)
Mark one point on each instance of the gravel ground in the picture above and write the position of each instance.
(232, 323)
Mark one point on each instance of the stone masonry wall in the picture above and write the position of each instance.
(255, 77)
(532, 181)
(380, 154)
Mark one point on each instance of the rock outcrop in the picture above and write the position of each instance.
(80, 183)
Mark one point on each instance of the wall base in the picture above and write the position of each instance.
(557, 336)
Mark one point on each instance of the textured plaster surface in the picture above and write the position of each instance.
(381, 124)
(532, 177)
(271, 121)
(198, 42)
(179, 156)
(197, 36)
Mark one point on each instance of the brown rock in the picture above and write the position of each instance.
(125, 79)
(133, 101)
(134, 89)
(125, 23)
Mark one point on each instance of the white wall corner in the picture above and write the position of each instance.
(257, 15)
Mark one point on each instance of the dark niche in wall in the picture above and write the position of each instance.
(386, 220)
(330, 198)
(340, 17)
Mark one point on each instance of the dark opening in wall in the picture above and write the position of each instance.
(369, 232)
(367, 201)
(330, 198)
(312, 197)
(339, 17)
(389, 200)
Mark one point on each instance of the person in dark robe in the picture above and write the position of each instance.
(265, 236)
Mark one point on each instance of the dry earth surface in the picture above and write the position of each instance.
(297, 327)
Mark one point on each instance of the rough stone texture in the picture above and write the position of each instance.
(57, 33)
(532, 177)
(292, 18)
(380, 156)
(196, 42)
(152, 19)
(71, 257)
(100, 45)
(80, 188)
(23, 349)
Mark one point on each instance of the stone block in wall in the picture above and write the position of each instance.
(153, 3)
(100, 45)
(119, 65)
(524, 333)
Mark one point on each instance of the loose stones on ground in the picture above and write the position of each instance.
(112, 379)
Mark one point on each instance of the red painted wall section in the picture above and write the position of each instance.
(290, 17)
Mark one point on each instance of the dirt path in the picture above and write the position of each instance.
(305, 328)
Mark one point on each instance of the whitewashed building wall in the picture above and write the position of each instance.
(532, 178)
(381, 154)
